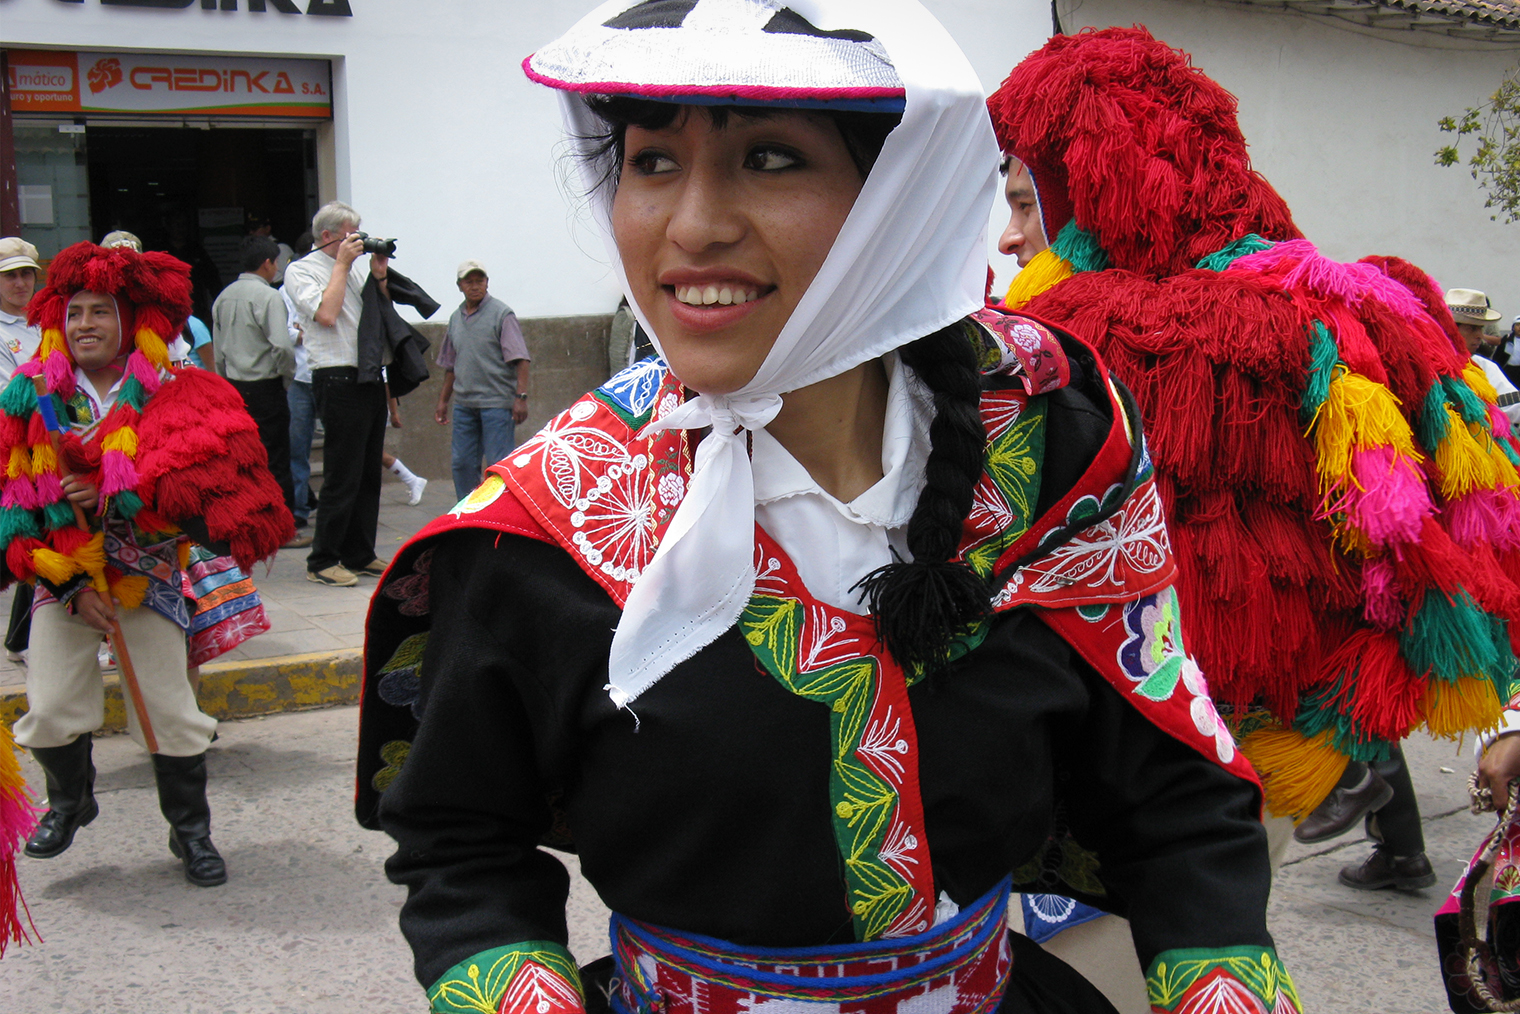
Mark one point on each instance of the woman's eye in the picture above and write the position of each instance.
(650, 162)
(771, 159)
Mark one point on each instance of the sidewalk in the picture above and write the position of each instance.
(310, 656)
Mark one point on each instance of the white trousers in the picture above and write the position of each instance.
(66, 694)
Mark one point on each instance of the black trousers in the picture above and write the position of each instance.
(265, 400)
(19, 633)
(353, 416)
(1397, 826)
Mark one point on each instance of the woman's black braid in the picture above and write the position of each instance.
(920, 606)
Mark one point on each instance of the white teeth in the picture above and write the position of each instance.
(697, 295)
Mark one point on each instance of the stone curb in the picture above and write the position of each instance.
(242, 689)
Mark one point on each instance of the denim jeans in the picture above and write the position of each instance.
(480, 434)
(303, 420)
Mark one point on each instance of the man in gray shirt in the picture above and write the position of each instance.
(255, 354)
(487, 377)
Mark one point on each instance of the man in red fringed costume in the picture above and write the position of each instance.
(111, 459)
(1340, 486)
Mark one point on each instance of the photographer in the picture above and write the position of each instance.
(326, 288)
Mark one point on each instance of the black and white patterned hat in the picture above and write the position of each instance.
(730, 51)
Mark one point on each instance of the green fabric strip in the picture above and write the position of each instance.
(477, 984)
(1177, 979)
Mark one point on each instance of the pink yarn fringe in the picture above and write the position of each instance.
(30, 368)
(19, 492)
(116, 473)
(1499, 422)
(1381, 603)
(1319, 274)
(139, 367)
(1392, 503)
(49, 490)
(60, 374)
(1485, 516)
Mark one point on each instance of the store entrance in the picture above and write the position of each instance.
(192, 191)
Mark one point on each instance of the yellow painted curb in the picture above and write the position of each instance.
(243, 689)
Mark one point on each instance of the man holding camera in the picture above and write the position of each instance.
(326, 288)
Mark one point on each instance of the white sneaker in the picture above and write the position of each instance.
(414, 486)
(105, 657)
(15, 657)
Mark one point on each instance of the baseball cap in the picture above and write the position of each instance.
(17, 253)
(469, 266)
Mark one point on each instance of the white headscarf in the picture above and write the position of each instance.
(909, 259)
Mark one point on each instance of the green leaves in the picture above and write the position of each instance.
(1495, 161)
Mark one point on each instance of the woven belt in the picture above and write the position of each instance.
(958, 967)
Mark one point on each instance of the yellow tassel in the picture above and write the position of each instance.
(1357, 415)
(1044, 271)
(153, 348)
(1478, 381)
(44, 460)
(1468, 705)
(92, 555)
(1465, 458)
(53, 566)
(130, 590)
(124, 440)
(20, 463)
(1297, 773)
(12, 782)
(52, 340)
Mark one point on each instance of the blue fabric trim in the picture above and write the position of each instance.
(1045, 915)
(231, 607)
(211, 582)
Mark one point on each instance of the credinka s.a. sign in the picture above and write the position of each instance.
(315, 8)
(148, 84)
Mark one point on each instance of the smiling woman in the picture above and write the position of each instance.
(750, 627)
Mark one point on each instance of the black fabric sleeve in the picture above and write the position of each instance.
(1182, 852)
(468, 807)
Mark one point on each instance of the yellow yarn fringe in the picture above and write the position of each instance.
(1478, 381)
(1357, 414)
(20, 463)
(53, 566)
(12, 782)
(44, 460)
(1297, 772)
(153, 348)
(124, 440)
(52, 340)
(130, 590)
(1466, 459)
(1044, 271)
(1453, 709)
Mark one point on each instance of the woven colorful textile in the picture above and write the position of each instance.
(228, 610)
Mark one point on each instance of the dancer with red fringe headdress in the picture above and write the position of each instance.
(112, 459)
(1340, 485)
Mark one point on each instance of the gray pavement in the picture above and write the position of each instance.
(307, 922)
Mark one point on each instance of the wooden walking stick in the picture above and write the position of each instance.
(98, 581)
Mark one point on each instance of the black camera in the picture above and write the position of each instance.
(374, 245)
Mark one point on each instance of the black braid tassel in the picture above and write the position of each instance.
(919, 607)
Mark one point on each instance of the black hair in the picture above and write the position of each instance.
(863, 133)
(920, 606)
(255, 251)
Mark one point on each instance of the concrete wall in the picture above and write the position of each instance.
(569, 359)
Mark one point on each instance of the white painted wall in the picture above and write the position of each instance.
(442, 142)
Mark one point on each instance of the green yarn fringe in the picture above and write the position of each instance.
(19, 398)
(128, 503)
(17, 522)
(1080, 249)
(1317, 713)
(58, 514)
(1323, 355)
(1467, 403)
(1451, 639)
(1433, 425)
(1246, 245)
(132, 393)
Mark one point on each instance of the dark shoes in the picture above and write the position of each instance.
(1382, 869)
(70, 778)
(1343, 808)
(182, 798)
(203, 863)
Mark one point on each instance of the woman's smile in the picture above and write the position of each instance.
(722, 228)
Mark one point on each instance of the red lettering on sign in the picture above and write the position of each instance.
(282, 84)
(258, 81)
(150, 76)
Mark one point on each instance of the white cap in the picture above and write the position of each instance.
(16, 253)
(468, 266)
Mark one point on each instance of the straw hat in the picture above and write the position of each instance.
(1469, 306)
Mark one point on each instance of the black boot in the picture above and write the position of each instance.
(71, 796)
(182, 798)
